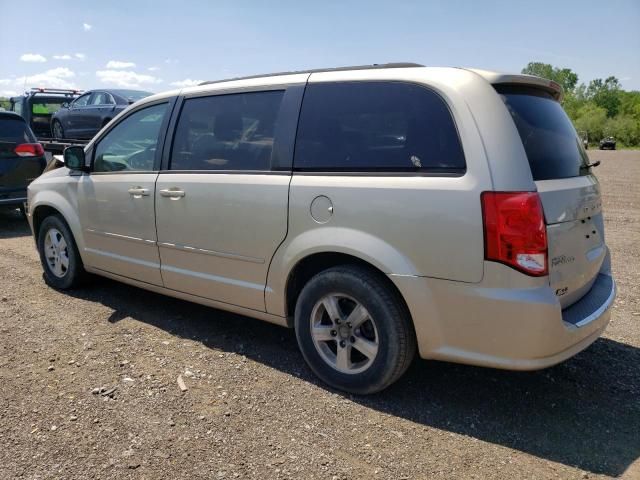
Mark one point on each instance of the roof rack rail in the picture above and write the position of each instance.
(55, 90)
(319, 70)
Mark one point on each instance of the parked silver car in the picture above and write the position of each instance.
(376, 210)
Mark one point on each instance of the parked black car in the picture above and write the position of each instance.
(21, 159)
(39, 104)
(87, 114)
(608, 143)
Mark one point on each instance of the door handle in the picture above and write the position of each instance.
(173, 193)
(138, 192)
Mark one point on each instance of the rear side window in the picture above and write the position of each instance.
(226, 132)
(17, 106)
(376, 126)
(552, 145)
(15, 130)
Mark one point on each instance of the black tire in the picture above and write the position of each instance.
(393, 328)
(74, 274)
(56, 130)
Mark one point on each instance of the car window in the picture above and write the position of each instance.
(17, 107)
(553, 147)
(82, 101)
(100, 98)
(46, 107)
(376, 126)
(132, 143)
(14, 129)
(226, 132)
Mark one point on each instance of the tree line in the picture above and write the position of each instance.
(600, 109)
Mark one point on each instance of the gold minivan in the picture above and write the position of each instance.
(377, 210)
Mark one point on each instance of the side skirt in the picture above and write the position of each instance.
(267, 317)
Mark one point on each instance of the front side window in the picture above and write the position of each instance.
(82, 101)
(376, 126)
(226, 132)
(132, 143)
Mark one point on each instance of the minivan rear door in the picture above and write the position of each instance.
(570, 193)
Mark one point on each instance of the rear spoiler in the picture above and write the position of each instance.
(495, 78)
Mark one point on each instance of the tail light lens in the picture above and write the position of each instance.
(514, 231)
(29, 150)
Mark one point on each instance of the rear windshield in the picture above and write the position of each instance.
(552, 145)
(47, 107)
(15, 130)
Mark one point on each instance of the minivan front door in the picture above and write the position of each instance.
(221, 209)
(116, 201)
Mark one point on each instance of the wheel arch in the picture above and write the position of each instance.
(314, 263)
(55, 204)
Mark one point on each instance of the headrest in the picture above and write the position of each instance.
(228, 126)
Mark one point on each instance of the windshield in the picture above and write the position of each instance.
(553, 147)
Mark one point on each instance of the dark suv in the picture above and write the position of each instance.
(87, 114)
(608, 143)
(21, 159)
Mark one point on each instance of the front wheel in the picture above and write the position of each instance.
(61, 262)
(354, 330)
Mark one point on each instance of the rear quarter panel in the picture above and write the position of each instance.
(405, 224)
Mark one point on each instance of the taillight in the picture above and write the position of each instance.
(29, 150)
(514, 231)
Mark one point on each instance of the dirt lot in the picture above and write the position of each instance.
(254, 410)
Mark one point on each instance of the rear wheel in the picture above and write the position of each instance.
(353, 329)
(61, 262)
(58, 132)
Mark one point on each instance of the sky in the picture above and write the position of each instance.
(160, 45)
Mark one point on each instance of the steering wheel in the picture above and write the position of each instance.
(143, 159)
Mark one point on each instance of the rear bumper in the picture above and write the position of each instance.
(517, 328)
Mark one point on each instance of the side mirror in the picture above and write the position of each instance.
(65, 105)
(74, 158)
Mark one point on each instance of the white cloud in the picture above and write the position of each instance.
(8, 93)
(118, 64)
(80, 56)
(32, 57)
(170, 61)
(187, 82)
(126, 78)
(66, 56)
(86, 27)
(60, 77)
(153, 69)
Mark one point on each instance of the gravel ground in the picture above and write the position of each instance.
(88, 388)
